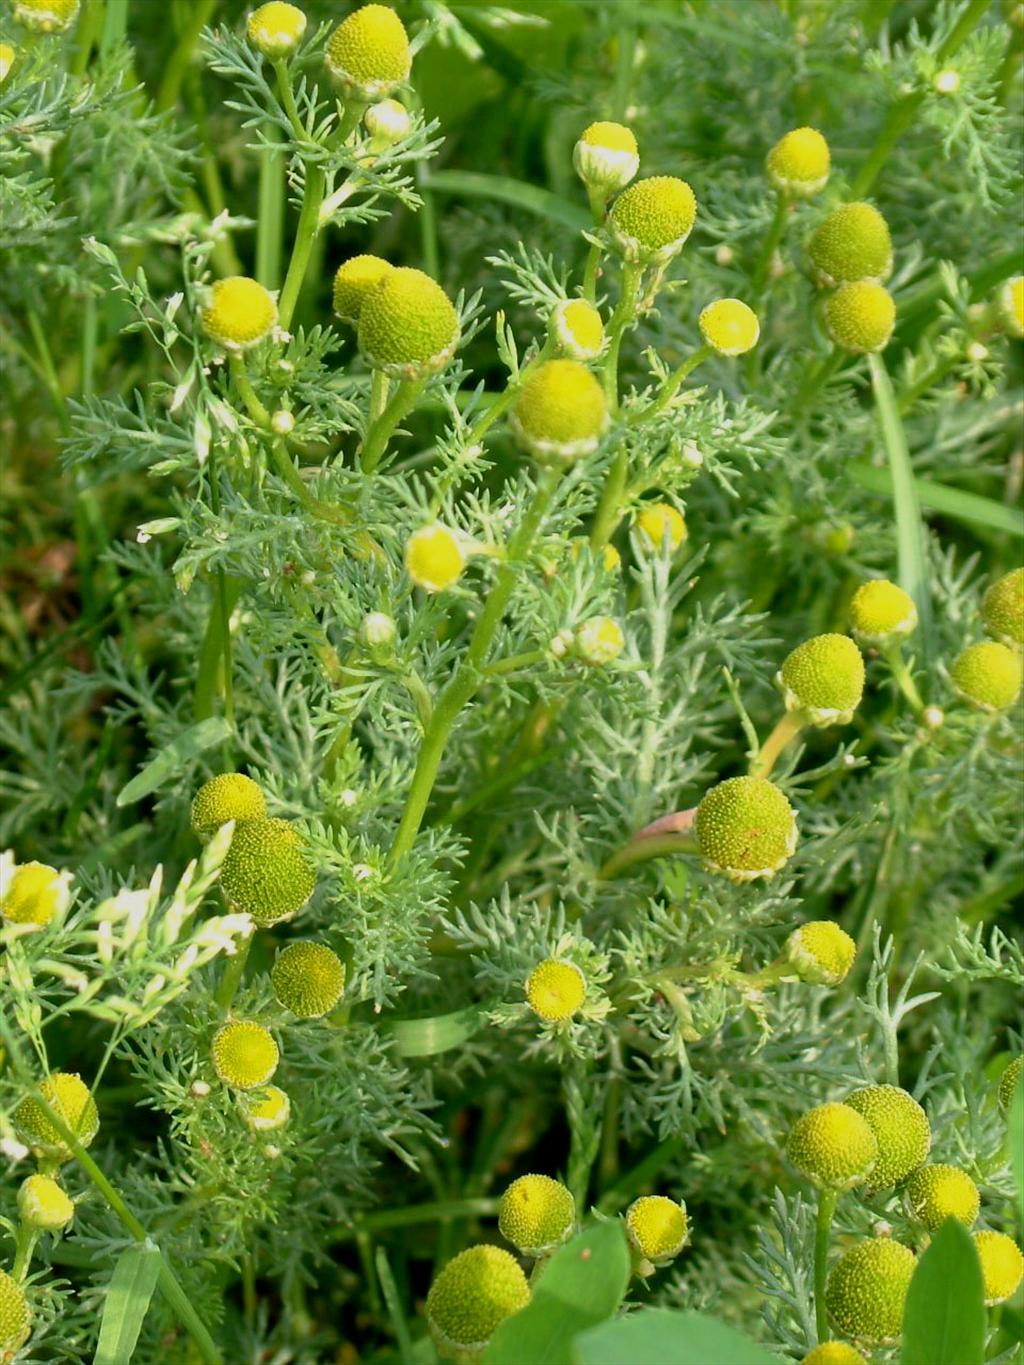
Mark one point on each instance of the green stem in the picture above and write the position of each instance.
(379, 386)
(515, 662)
(672, 385)
(598, 205)
(398, 408)
(312, 197)
(609, 509)
(270, 216)
(763, 264)
(86, 36)
(211, 651)
(893, 655)
(822, 1235)
(200, 13)
(284, 88)
(786, 731)
(393, 1301)
(223, 609)
(234, 970)
(25, 1245)
(623, 316)
(644, 850)
(441, 1211)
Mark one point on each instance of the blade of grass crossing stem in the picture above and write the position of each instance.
(956, 503)
(505, 190)
(394, 1305)
(173, 756)
(912, 566)
(128, 1297)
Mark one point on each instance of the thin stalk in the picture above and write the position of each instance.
(234, 970)
(284, 88)
(309, 215)
(786, 731)
(379, 386)
(440, 1211)
(429, 245)
(89, 24)
(644, 850)
(223, 610)
(25, 1245)
(270, 217)
(822, 1236)
(609, 508)
(115, 25)
(211, 651)
(624, 314)
(199, 15)
(393, 1301)
(902, 676)
(763, 264)
(598, 205)
(672, 385)
(515, 662)
(398, 408)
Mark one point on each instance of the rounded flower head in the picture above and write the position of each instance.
(472, 1297)
(1011, 305)
(308, 979)
(599, 641)
(799, 163)
(577, 329)
(33, 893)
(239, 313)
(860, 316)
(936, 1193)
(387, 122)
(434, 558)
(880, 613)
(655, 520)
(824, 678)
(15, 1315)
(901, 1130)
(745, 828)
(536, 1214)
(68, 1096)
(867, 1290)
(853, 243)
(834, 1353)
(353, 281)
(245, 1055)
(407, 325)
(653, 218)
(1002, 609)
(1002, 1265)
(368, 54)
(46, 16)
(833, 1147)
(229, 796)
(560, 411)
(266, 1110)
(606, 157)
(7, 58)
(275, 29)
(988, 675)
(43, 1204)
(265, 872)
(1008, 1082)
(729, 327)
(555, 990)
(821, 953)
(657, 1227)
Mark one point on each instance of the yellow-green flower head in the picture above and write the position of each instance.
(229, 796)
(799, 163)
(653, 218)
(729, 327)
(387, 122)
(7, 58)
(606, 157)
(555, 990)
(275, 29)
(68, 1096)
(853, 243)
(988, 675)
(1008, 1082)
(43, 1204)
(353, 281)
(821, 953)
(824, 678)
(308, 979)
(245, 1055)
(434, 557)
(656, 520)
(560, 411)
(15, 1315)
(599, 641)
(657, 1227)
(833, 1147)
(881, 612)
(471, 1298)
(867, 1290)
(577, 329)
(266, 1110)
(407, 325)
(936, 1193)
(901, 1130)
(1002, 609)
(33, 893)
(265, 873)
(834, 1353)
(536, 1214)
(46, 16)
(368, 54)
(1011, 305)
(745, 828)
(1002, 1265)
(860, 316)
(239, 313)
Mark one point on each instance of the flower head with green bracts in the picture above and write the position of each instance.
(308, 979)
(471, 1298)
(655, 520)
(860, 317)
(577, 329)
(652, 219)
(560, 412)
(657, 1227)
(8, 56)
(46, 16)
(244, 1054)
(408, 328)
(435, 557)
(15, 1315)
(606, 157)
(238, 313)
(1002, 609)
(823, 679)
(821, 953)
(555, 990)
(901, 1130)
(69, 1098)
(536, 1214)
(43, 1204)
(264, 1110)
(266, 872)
(852, 243)
(867, 1290)
(1009, 1081)
(1011, 305)
(881, 613)
(730, 327)
(935, 1193)
(275, 28)
(387, 122)
(228, 796)
(833, 1147)
(799, 163)
(1002, 1265)
(368, 54)
(600, 641)
(32, 893)
(988, 675)
(353, 281)
(746, 829)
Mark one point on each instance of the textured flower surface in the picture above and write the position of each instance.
(266, 872)
(988, 675)
(239, 313)
(434, 558)
(730, 327)
(1002, 1265)
(935, 1193)
(881, 612)
(43, 1204)
(309, 979)
(560, 411)
(1002, 608)
(901, 1130)
(473, 1295)
(15, 1315)
(353, 281)
(657, 1227)
(657, 520)
(536, 1213)
(834, 1353)
(67, 1095)
(746, 828)
(860, 316)
(368, 53)
(229, 796)
(833, 1146)
(799, 163)
(244, 1054)
(276, 28)
(853, 243)
(867, 1290)
(555, 990)
(824, 679)
(821, 952)
(407, 325)
(653, 218)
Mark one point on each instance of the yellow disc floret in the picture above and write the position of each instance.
(68, 1096)
(560, 411)
(653, 218)
(834, 1353)
(43, 1204)
(867, 1290)
(536, 1214)
(799, 163)
(353, 281)
(434, 557)
(824, 679)
(245, 1055)
(988, 675)
(881, 612)
(15, 1315)
(308, 979)
(860, 316)
(46, 16)
(729, 327)
(368, 54)
(745, 828)
(657, 1227)
(1002, 1265)
(229, 796)
(472, 1297)
(935, 1193)
(1011, 305)
(657, 520)
(833, 1147)
(1008, 1082)
(820, 952)
(576, 329)
(7, 59)
(33, 893)
(599, 641)
(555, 990)
(239, 313)
(853, 243)
(266, 873)
(606, 157)
(407, 325)
(901, 1130)
(265, 1110)
(1002, 609)
(275, 29)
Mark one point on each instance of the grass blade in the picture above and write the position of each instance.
(505, 190)
(173, 756)
(128, 1297)
(955, 503)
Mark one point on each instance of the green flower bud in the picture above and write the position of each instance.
(15, 1315)
(655, 520)
(275, 28)
(7, 60)
(308, 979)
(745, 828)
(33, 893)
(555, 990)
(387, 123)
(353, 281)
(729, 327)
(1008, 1082)
(368, 54)
(799, 163)
(881, 613)
(901, 1130)
(577, 329)
(239, 313)
(834, 1353)
(600, 641)
(867, 1290)
(860, 316)
(265, 1110)
(471, 1298)
(560, 411)
(653, 218)
(606, 157)
(935, 1193)
(245, 1055)
(43, 1204)
(68, 1096)
(658, 1228)
(1002, 1265)
(265, 872)
(230, 796)
(988, 675)
(377, 631)
(536, 1214)
(407, 325)
(1002, 609)
(1011, 305)
(821, 953)
(824, 678)
(46, 16)
(852, 243)
(833, 1147)
(434, 557)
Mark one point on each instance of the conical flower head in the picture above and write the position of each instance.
(368, 54)
(1002, 1265)
(353, 281)
(407, 325)
(881, 613)
(729, 326)
(988, 675)
(799, 163)
(833, 1147)
(860, 317)
(606, 157)
(824, 679)
(15, 1315)
(821, 952)
(275, 28)
(867, 1290)
(935, 1193)
(555, 990)
(745, 828)
(471, 1298)
(536, 1214)
(229, 796)
(266, 873)
(68, 1096)
(1008, 1082)
(245, 1055)
(657, 1227)
(853, 243)
(238, 313)
(1002, 609)
(32, 893)
(308, 979)
(560, 412)
(652, 219)
(43, 1204)
(901, 1130)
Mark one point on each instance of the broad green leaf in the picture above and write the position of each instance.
(955, 503)
(127, 1302)
(425, 1037)
(505, 190)
(582, 1285)
(944, 1323)
(173, 757)
(668, 1338)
